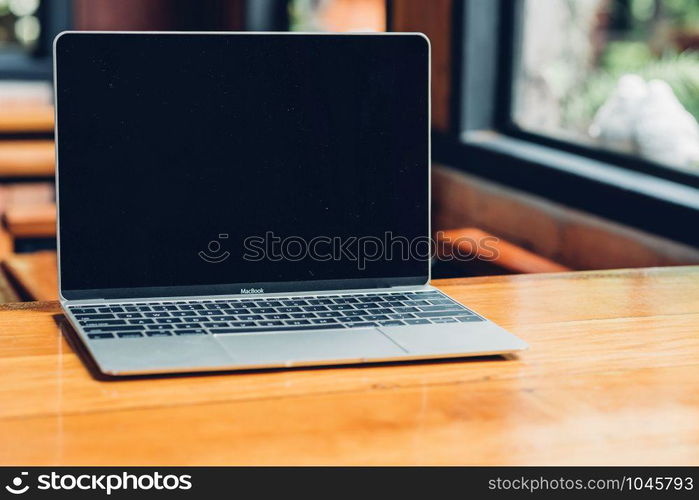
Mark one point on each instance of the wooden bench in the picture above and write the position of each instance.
(33, 276)
(30, 158)
(35, 118)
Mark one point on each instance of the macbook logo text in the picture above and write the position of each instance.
(252, 290)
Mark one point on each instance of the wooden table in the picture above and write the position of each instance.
(612, 378)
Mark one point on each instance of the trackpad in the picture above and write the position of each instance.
(323, 345)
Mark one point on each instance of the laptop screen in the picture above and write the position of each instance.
(234, 163)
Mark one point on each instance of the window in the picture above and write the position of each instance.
(618, 75)
(19, 25)
(337, 15)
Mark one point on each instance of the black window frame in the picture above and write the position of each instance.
(484, 140)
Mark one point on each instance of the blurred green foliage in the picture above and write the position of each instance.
(680, 71)
(633, 54)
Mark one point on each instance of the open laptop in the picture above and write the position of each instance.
(245, 200)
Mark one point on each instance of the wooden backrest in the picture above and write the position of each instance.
(482, 245)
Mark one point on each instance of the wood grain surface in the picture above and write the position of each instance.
(611, 378)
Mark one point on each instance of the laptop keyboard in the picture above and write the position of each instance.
(267, 314)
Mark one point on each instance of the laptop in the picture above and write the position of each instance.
(232, 201)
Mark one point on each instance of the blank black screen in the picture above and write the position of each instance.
(166, 141)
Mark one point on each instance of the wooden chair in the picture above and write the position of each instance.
(33, 276)
(484, 247)
(31, 221)
(28, 217)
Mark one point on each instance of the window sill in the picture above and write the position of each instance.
(637, 199)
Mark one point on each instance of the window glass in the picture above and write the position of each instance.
(615, 74)
(19, 24)
(338, 15)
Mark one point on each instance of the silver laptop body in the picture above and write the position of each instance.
(137, 293)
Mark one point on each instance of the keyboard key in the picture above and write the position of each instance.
(160, 327)
(103, 329)
(341, 307)
(469, 319)
(262, 310)
(211, 312)
(376, 317)
(168, 320)
(315, 308)
(191, 331)
(190, 307)
(141, 321)
(270, 323)
(198, 319)
(419, 303)
(444, 320)
(100, 335)
(297, 322)
(384, 310)
(303, 315)
(94, 316)
(163, 333)
(355, 312)
(296, 302)
(241, 324)
(124, 335)
(220, 331)
(391, 323)
(288, 309)
(250, 317)
(103, 322)
(329, 314)
(277, 316)
(392, 303)
(361, 324)
(401, 316)
(438, 302)
(417, 321)
(444, 307)
(129, 315)
(369, 298)
(182, 314)
(82, 310)
(158, 314)
(345, 300)
(215, 306)
(318, 302)
(367, 305)
(400, 297)
(217, 324)
(238, 310)
(405, 309)
(269, 303)
(428, 294)
(324, 321)
(436, 314)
